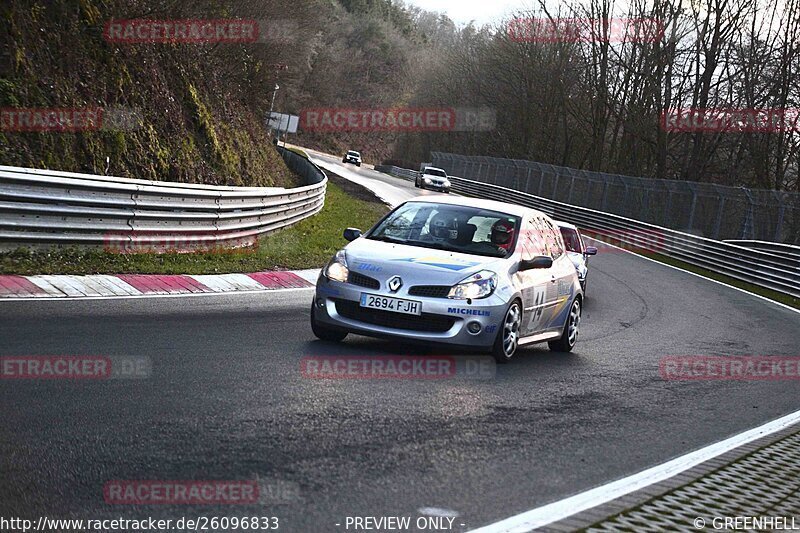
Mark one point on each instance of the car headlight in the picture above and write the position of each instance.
(446, 183)
(337, 268)
(478, 285)
(426, 180)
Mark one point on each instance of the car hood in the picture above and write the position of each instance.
(416, 265)
(577, 259)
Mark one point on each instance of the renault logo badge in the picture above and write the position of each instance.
(394, 283)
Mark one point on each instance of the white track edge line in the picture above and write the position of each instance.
(580, 502)
(559, 510)
(770, 300)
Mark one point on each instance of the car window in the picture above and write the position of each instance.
(553, 240)
(572, 241)
(435, 172)
(531, 242)
(450, 227)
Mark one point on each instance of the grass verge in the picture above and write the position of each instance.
(308, 244)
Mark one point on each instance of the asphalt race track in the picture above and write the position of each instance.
(226, 400)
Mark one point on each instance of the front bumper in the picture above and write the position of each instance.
(436, 187)
(443, 320)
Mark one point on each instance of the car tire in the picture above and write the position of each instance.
(570, 334)
(507, 340)
(325, 333)
(358, 164)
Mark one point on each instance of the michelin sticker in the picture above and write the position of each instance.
(468, 311)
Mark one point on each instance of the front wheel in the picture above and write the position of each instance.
(325, 333)
(508, 337)
(570, 335)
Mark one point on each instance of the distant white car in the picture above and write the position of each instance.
(352, 157)
(433, 178)
(577, 251)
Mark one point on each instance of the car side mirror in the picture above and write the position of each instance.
(540, 261)
(590, 250)
(352, 234)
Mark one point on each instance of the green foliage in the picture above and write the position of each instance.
(199, 125)
(8, 95)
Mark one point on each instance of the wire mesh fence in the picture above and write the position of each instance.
(713, 211)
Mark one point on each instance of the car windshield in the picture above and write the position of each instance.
(572, 241)
(354, 154)
(435, 172)
(450, 227)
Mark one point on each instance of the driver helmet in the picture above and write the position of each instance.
(503, 234)
(444, 227)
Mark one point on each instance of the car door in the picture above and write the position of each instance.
(533, 283)
(562, 277)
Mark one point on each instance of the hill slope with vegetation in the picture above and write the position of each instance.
(194, 119)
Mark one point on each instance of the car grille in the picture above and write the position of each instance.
(431, 291)
(363, 281)
(426, 322)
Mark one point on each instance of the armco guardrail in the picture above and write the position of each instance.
(716, 211)
(764, 268)
(777, 248)
(753, 266)
(397, 172)
(46, 208)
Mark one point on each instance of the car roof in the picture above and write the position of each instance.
(493, 205)
(435, 168)
(567, 225)
(353, 152)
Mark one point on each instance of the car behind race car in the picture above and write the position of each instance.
(460, 271)
(352, 157)
(433, 178)
(577, 251)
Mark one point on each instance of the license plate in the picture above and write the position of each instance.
(387, 303)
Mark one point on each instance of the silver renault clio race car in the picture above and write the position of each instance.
(460, 271)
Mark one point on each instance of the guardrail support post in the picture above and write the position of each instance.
(779, 225)
(691, 210)
(718, 223)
